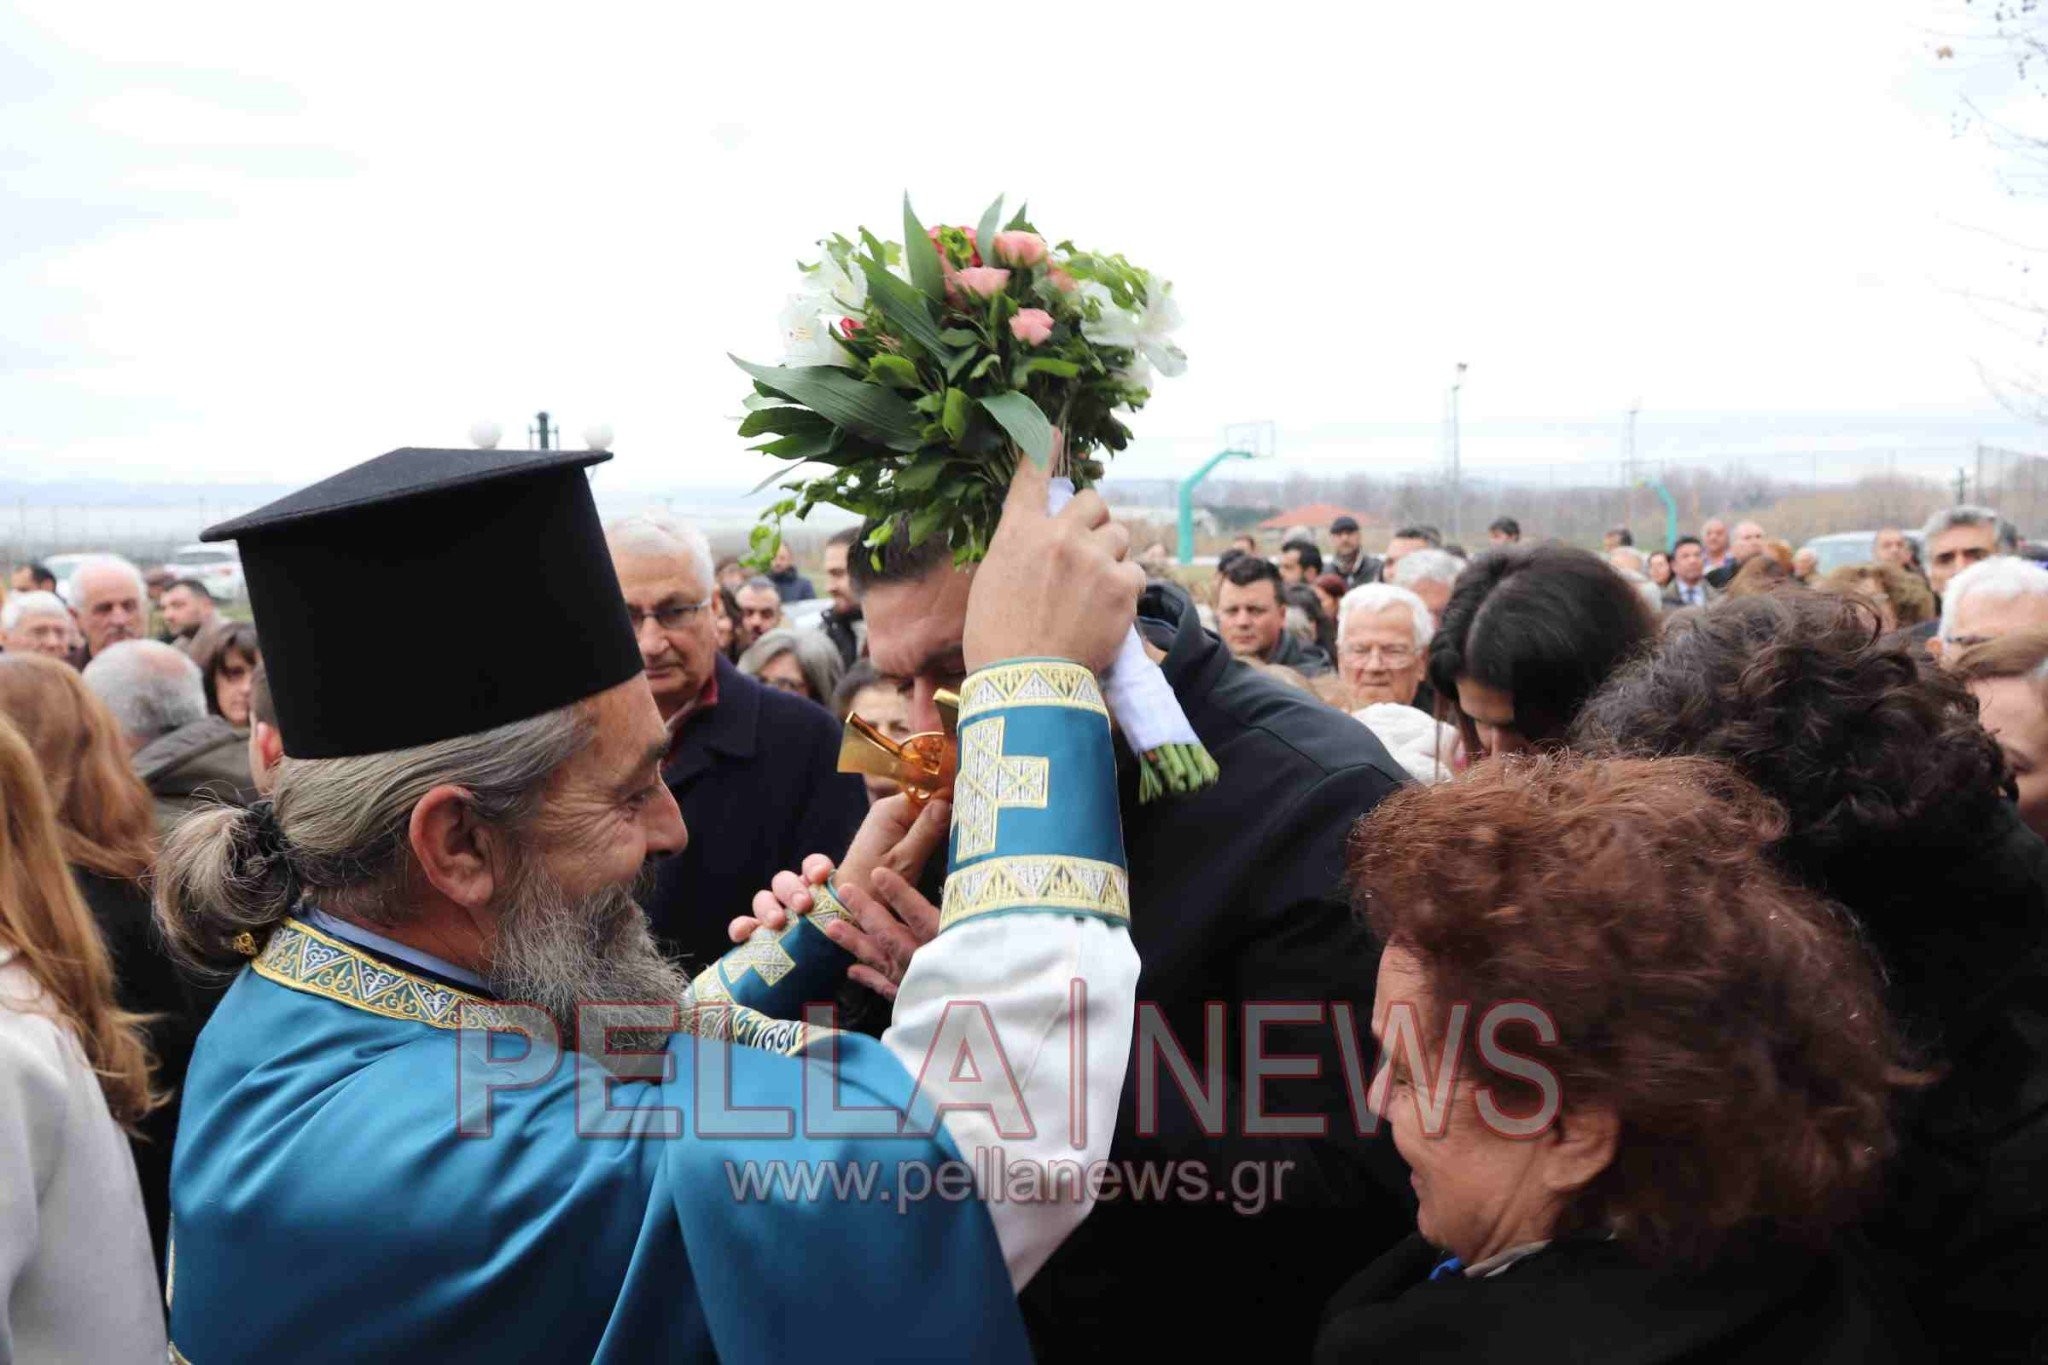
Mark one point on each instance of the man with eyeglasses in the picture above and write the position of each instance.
(1383, 644)
(1994, 597)
(755, 770)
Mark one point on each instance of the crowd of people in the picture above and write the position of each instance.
(1750, 854)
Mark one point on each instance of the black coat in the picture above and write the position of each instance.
(757, 778)
(1592, 1302)
(146, 982)
(1237, 897)
(1304, 658)
(1963, 935)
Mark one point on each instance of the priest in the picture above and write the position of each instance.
(456, 1105)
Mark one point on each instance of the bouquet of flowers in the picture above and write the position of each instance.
(916, 374)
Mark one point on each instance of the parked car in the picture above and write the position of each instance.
(219, 567)
(1841, 548)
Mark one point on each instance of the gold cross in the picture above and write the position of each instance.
(990, 783)
(921, 765)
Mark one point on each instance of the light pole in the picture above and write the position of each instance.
(1457, 474)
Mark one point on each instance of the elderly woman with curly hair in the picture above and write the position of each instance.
(1641, 1076)
(1898, 809)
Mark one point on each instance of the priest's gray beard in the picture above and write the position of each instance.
(561, 952)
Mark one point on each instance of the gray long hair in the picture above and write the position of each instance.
(344, 824)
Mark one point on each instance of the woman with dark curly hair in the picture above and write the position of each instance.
(1529, 633)
(1898, 808)
(1639, 1074)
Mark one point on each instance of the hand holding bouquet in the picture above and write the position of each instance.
(917, 374)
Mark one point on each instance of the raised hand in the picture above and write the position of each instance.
(1052, 586)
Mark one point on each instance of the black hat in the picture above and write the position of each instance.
(510, 539)
(1343, 524)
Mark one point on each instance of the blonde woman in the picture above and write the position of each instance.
(76, 1279)
(106, 829)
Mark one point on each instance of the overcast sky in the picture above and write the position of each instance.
(244, 243)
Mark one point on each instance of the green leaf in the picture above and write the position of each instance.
(987, 363)
(904, 307)
(1059, 369)
(783, 421)
(985, 235)
(1026, 425)
(894, 371)
(919, 475)
(922, 255)
(959, 336)
(957, 364)
(865, 409)
(755, 401)
(954, 416)
(1019, 222)
(925, 520)
(803, 445)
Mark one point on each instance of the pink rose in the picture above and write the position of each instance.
(1020, 248)
(848, 326)
(982, 281)
(1062, 281)
(1031, 325)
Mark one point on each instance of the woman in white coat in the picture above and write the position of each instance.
(76, 1279)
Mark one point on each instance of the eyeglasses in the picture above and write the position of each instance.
(1392, 656)
(669, 615)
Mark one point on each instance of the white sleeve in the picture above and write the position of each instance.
(33, 1106)
(1063, 1049)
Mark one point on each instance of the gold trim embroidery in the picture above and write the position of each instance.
(1049, 882)
(302, 958)
(991, 782)
(826, 907)
(1034, 682)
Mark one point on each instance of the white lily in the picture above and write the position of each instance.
(1145, 332)
(807, 337)
(847, 290)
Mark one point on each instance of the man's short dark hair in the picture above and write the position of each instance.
(1622, 535)
(850, 537)
(1428, 535)
(760, 582)
(1246, 570)
(1508, 527)
(897, 561)
(40, 575)
(1305, 550)
(191, 585)
(1682, 541)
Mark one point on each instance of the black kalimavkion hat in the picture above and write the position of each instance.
(427, 594)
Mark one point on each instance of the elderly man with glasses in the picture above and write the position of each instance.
(755, 770)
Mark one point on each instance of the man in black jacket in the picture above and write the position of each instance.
(755, 770)
(842, 622)
(1241, 920)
